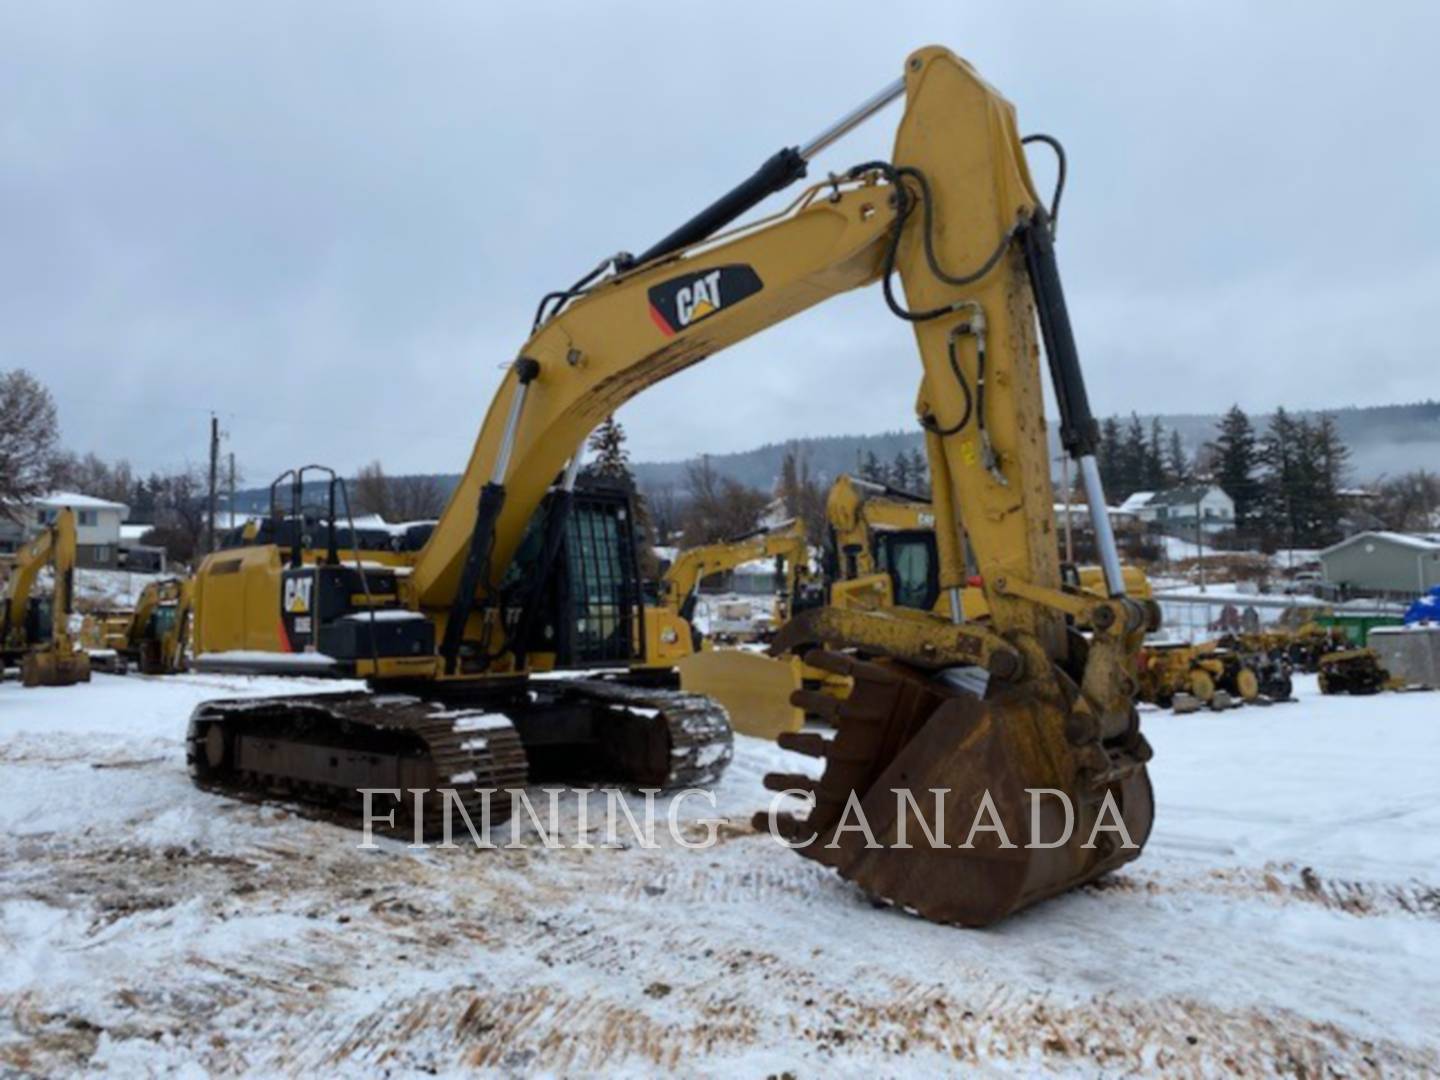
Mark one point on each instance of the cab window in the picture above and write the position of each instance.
(909, 557)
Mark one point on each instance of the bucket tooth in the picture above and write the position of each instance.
(808, 743)
(787, 826)
(789, 782)
(817, 704)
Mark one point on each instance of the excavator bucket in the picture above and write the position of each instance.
(954, 805)
(755, 689)
(50, 667)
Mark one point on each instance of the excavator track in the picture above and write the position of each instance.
(688, 740)
(318, 750)
(900, 728)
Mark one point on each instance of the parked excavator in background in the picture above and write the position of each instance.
(158, 629)
(35, 631)
(785, 543)
(523, 575)
(881, 552)
(754, 688)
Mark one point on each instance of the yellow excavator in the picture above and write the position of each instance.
(156, 633)
(786, 543)
(35, 632)
(754, 688)
(982, 710)
(882, 553)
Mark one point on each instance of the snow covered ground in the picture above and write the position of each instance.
(1284, 918)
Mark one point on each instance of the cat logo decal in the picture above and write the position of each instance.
(685, 300)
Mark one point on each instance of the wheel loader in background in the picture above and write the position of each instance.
(35, 631)
(519, 562)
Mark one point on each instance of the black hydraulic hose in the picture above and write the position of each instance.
(905, 206)
(927, 209)
(1054, 144)
(930, 423)
(560, 297)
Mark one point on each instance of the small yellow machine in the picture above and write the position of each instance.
(1354, 671)
(35, 632)
(1203, 674)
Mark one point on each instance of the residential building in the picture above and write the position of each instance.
(1380, 562)
(97, 525)
(1180, 509)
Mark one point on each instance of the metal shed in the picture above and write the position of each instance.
(1384, 562)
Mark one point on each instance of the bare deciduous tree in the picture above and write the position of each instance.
(396, 498)
(28, 432)
(718, 507)
(801, 491)
(1409, 502)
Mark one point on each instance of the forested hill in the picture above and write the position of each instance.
(1385, 439)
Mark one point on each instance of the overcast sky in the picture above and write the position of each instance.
(331, 222)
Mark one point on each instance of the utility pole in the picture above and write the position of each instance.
(1065, 483)
(1199, 546)
(231, 503)
(214, 467)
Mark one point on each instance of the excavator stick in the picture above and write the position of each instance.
(1002, 836)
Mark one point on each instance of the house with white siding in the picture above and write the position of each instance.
(97, 525)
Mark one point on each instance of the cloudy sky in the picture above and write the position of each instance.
(331, 222)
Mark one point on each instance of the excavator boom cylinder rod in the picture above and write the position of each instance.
(853, 119)
(1100, 522)
(780, 171)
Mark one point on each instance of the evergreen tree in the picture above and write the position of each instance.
(1108, 457)
(1155, 471)
(1177, 464)
(900, 471)
(1133, 455)
(612, 459)
(919, 472)
(1335, 468)
(871, 469)
(1283, 491)
(1237, 462)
